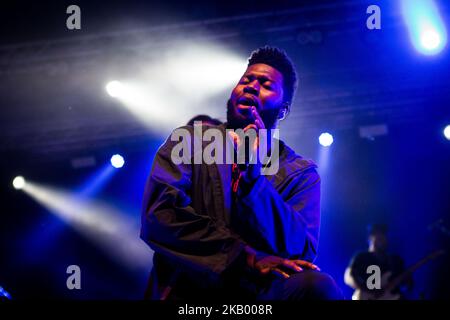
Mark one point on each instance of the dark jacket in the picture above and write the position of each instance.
(187, 212)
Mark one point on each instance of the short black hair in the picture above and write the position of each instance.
(279, 60)
(204, 118)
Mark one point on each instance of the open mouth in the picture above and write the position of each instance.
(245, 103)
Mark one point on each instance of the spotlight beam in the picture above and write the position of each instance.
(167, 94)
(113, 231)
(427, 29)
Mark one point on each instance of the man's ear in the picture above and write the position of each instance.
(284, 111)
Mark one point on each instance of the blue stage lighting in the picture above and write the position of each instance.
(447, 132)
(117, 161)
(4, 294)
(426, 28)
(326, 139)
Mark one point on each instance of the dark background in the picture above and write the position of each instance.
(54, 109)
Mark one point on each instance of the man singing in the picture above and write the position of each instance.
(226, 230)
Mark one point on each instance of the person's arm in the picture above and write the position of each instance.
(353, 274)
(172, 227)
(290, 227)
(350, 280)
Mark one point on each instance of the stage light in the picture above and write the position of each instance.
(326, 139)
(4, 294)
(102, 223)
(148, 103)
(189, 76)
(447, 132)
(205, 66)
(430, 39)
(426, 28)
(117, 161)
(115, 88)
(96, 181)
(19, 182)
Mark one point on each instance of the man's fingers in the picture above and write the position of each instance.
(307, 264)
(280, 272)
(265, 270)
(258, 121)
(291, 265)
(235, 138)
(255, 146)
(251, 126)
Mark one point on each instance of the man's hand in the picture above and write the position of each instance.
(277, 265)
(254, 170)
(282, 266)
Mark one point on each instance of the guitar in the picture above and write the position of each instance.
(387, 287)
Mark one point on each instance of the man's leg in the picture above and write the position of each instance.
(305, 285)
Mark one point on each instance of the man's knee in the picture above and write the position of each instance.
(312, 285)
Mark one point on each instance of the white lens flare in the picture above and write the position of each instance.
(19, 182)
(326, 139)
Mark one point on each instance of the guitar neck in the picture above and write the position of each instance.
(399, 279)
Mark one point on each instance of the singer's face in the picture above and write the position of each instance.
(260, 86)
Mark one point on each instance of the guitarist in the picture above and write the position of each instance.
(356, 274)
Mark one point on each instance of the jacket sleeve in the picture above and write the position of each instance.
(171, 226)
(289, 227)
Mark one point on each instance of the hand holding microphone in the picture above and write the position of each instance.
(253, 170)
